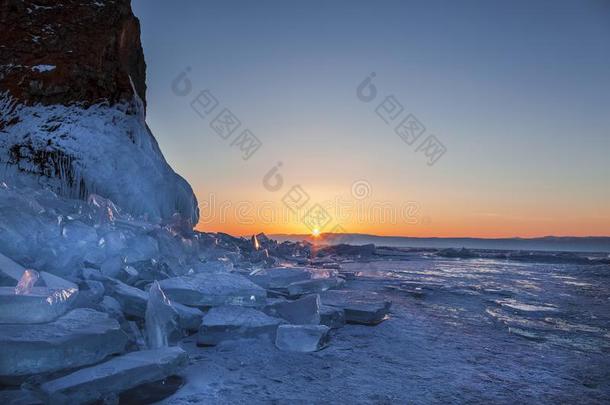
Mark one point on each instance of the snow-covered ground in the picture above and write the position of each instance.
(461, 331)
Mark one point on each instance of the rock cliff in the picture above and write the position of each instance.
(72, 106)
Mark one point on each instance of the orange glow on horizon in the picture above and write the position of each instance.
(434, 217)
(449, 229)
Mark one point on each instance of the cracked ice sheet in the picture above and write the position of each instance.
(440, 349)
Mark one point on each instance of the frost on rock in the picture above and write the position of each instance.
(161, 318)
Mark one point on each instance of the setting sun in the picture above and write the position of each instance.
(315, 232)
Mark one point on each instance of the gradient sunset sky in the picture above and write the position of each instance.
(518, 92)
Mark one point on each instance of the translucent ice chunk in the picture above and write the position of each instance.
(105, 209)
(161, 318)
(233, 323)
(39, 305)
(140, 248)
(304, 311)
(94, 384)
(113, 242)
(214, 289)
(302, 338)
(26, 283)
(54, 282)
(78, 233)
(80, 337)
(10, 270)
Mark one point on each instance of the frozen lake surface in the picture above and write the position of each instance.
(460, 330)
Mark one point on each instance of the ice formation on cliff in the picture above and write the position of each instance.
(102, 149)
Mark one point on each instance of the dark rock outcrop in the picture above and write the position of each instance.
(94, 47)
(72, 107)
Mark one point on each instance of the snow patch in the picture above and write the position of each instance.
(43, 68)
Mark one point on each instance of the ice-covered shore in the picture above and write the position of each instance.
(84, 281)
(460, 331)
(161, 311)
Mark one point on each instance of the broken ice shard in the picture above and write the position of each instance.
(278, 278)
(304, 311)
(81, 337)
(10, 272)
(79, 234)
(133, 300)
(90, 293)
(39, 305)
(111, 267)
(26, 283)
(112, 307)
(140, 248)
(363, 307)
(315, 285)
(213, 266)
(332, 317)
(232, 322)
(95, 383)
(302, 338)
(54, 282)
(189, 317)
(161, 318)
(213, 289)
(105, 210)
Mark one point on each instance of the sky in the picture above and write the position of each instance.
(483, 118)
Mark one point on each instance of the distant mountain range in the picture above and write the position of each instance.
(547, 243)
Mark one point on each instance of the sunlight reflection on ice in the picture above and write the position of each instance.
(26, 283)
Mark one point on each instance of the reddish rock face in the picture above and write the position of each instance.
(69, 119)
(70, 51)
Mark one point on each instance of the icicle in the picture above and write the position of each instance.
(161, 318)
